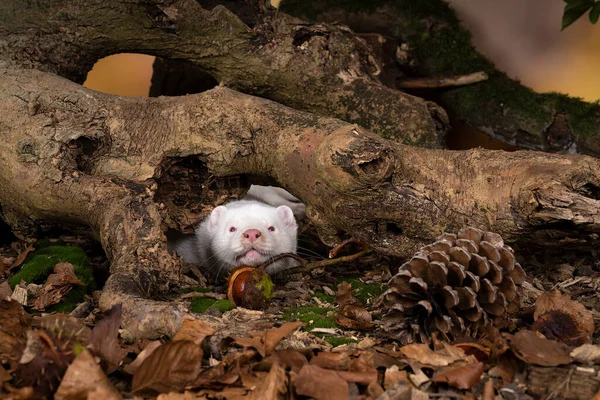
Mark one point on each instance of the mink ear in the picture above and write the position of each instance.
(215, 216)
(288, 216)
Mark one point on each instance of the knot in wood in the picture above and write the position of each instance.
(370, 161)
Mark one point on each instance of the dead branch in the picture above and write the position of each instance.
(432, 42)
(333, 68)
(449, 81)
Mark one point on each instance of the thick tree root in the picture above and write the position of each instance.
(74, 156)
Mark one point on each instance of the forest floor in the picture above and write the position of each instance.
(321, 336)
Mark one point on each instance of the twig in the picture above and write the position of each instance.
(449, 81)
(306, 266)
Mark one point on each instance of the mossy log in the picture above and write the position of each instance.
(79, 157)
(433, 43)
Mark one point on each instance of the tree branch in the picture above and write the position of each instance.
(435, 44)
(319, 68)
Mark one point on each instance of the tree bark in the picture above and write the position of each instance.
(75, 156)
(319, 68)
(429, 41)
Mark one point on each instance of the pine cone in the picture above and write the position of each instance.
(456, 285)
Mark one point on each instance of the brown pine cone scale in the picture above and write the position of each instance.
(454, 286)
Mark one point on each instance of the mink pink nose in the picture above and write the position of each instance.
(252, 235)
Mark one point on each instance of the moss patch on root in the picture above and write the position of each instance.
(441, 46)
(313, 317)
(201, 304)
(41, 263)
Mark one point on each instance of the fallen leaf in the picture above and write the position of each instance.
(393, 375)
(57, 285)
(354, 317)
(344, 296)
(21, 257)
(460, 375)
(533, 349)
(105, 339)
(64, 325)
(14, 322)
(507, 366)
(4, 376)
(328, 360)
(171, 367)
(265, 341)
(586, 354)
(274, 386)
(559, 318)
(321, 384)
(360, 377)
(292, 359)
(194, 330)
(424, 355)
(84, 379)
(5, 290)
(145, 353)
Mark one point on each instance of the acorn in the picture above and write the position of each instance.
(250, 287)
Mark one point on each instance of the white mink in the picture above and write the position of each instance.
(244, 232)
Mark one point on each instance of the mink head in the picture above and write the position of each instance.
(249, 232)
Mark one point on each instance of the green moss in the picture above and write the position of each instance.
(338, 341)
(201, 304)
(196, 290)
(366, 293)
(41, 263)
(326, 298)
(440, 46)
(313, 317)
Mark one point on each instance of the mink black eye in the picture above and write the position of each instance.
(232, 229)
(271, 228)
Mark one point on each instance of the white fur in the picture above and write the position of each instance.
(218, 250)
(277, 196)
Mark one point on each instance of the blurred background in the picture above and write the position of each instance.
(523, 39)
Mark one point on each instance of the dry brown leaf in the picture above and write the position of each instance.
(289, 358)
(57, 285)
(84, 379)
(20, 258)
(559, 318)
(194, 330)
(321, 384)
(336, 361)
(5, 290)
(393, 375)
(460, 375)
(360, 377)
(274, 386)
(64, 325)
(586, 354)
(171, 367)
(265, 342)
(507, 366)
(4, 376)
(488, 391)
(533, 349)
(14, 321)
(424, 355)
(344, 297)
(105, 339)
(135, 364)
(354, 317)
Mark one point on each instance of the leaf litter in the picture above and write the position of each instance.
(243, 354)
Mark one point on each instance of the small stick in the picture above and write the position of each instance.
(449, 81)
(306, 266)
